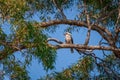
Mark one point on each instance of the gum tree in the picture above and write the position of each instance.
(27, 35)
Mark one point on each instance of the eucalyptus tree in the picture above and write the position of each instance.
(27, 35)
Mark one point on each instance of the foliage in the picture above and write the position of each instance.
(81, 70)
(15, 69)
(23, 33)
(28, 38)
(84, 67)
(103, 10)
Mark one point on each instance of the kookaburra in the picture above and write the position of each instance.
(69, 39)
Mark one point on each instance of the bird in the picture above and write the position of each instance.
(69, 39)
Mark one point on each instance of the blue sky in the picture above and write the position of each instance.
(64, 57)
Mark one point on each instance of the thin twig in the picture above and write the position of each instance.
(59, 9)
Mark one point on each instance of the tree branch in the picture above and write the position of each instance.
(78, 46)
(73, 22)
(100, 29)
(118, 17)
(105, 16)
(106, 34)
(59, 9)
(117, 31)
(54, 39)
(89, 25)
(84, 48)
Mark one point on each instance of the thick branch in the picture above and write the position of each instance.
(100, 29)
(56, 22)
(78, 46)
(73, 22)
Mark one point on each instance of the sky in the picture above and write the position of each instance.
(64, 57)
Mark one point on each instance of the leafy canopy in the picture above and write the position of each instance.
(28, 38)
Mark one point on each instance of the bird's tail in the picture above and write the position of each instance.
(72, 51)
